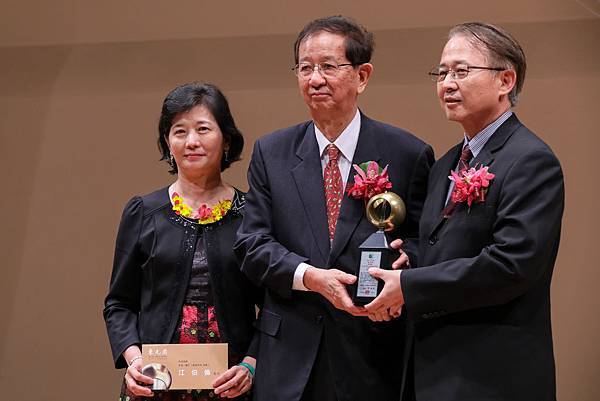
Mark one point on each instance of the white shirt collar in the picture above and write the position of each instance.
(347, 140)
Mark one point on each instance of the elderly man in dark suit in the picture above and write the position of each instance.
(480, 297)
(301, 232)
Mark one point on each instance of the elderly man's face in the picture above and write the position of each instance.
(338, 93)
(473, 101)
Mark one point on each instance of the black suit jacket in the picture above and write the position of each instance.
(286, 224)
(152, 266)
(481, 295)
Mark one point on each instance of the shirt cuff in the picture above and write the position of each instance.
(298, 283)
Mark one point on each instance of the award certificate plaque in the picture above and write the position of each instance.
(386, 211)
(184, 366)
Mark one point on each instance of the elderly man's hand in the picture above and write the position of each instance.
(331, 283)
(402, 262)
(389, 302)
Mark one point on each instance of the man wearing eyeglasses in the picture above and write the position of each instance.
(301, 232)
(480, 296)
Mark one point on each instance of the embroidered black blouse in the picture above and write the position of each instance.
(151, 271)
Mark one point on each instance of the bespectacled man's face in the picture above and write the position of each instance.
(474, 101)
(336, 93)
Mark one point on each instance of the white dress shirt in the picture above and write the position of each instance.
(346, 143)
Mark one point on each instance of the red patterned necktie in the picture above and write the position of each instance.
(463, 164)
(465, 156)
(333, 188)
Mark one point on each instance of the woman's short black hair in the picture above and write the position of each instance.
(186, 97)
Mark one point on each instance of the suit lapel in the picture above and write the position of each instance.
(496, 141)
(441, 180)
(309, 182)
(440, 184)
(484, 158)
(352, 210)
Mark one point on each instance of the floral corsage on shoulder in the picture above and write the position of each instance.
(470, 185)
(370, 181)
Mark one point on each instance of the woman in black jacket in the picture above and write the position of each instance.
(175, 278)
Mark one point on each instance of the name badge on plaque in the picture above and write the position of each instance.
(184, 366)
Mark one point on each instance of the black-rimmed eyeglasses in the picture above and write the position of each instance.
(439, 74)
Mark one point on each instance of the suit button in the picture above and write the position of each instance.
(433, 240)
(318, 319)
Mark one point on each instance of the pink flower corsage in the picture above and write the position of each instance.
(470, 185)
(370, 181)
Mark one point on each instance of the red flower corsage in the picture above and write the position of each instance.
(370, 181)
(470, 185)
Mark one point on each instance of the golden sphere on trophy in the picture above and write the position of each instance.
(386, 211)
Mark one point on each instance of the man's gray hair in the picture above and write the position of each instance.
(502, 50)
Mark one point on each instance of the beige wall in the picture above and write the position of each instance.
(81, 88)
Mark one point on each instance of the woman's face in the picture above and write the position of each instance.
(196, 142)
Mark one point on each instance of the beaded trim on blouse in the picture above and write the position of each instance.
(237, 205)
